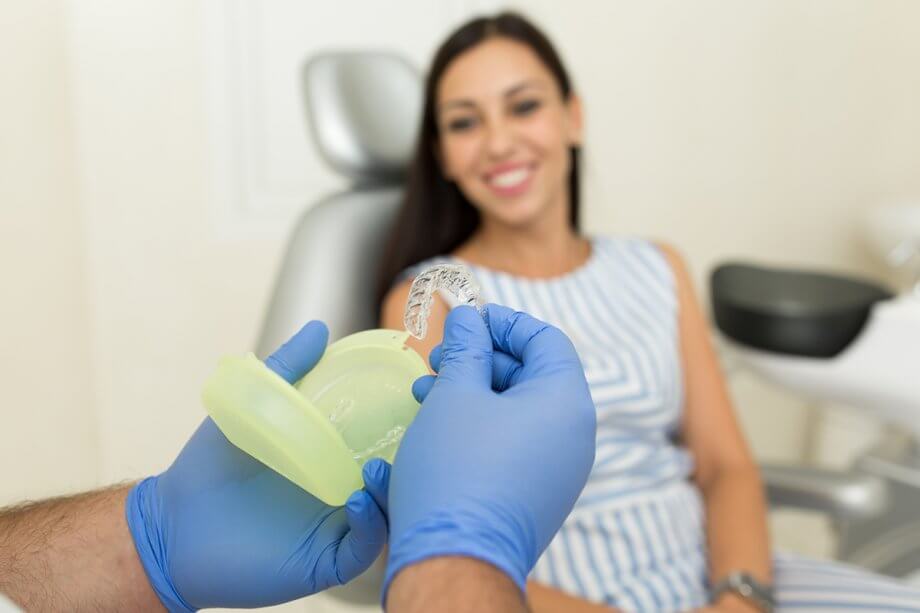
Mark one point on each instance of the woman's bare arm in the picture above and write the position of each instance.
(394, 307)
(736, 512)
(546, 599)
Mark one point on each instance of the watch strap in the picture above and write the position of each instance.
(742, 583)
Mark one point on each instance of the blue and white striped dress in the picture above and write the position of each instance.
(636, 537)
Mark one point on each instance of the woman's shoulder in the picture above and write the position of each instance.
(627, 240)
(656, 256)
(410, 272)
(633, 244)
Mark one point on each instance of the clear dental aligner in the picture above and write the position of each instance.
(340, 416)
(454, 278)
(393, 435)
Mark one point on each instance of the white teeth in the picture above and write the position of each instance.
(510, 178)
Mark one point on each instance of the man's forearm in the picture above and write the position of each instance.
(73, 554)
(454, 585)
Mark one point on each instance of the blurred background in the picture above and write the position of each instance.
(155, 155)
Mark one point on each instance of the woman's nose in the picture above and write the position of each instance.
(499, 140)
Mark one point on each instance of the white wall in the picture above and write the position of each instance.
(763, 129)
(48, 432)
(168, 296)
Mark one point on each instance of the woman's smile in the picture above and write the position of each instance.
(510, 179)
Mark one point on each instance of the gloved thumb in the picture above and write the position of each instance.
(466, 351)
(300, 353)
(422, 386)
(376, 474)
(540, 347)
(365, 539)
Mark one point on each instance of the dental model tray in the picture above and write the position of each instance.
(791, 312)
(354, 405)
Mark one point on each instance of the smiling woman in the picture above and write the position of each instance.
(498, 146)
(506, 140)
(673, 515)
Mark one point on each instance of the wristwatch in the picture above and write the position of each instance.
(739, 582)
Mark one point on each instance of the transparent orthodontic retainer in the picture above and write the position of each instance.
(354, 405)
(454, 278)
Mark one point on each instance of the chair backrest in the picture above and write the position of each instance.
(363, 112)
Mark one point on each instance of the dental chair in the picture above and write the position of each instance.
(363, 111)
(849, 341)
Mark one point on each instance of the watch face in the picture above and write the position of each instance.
(747, 587)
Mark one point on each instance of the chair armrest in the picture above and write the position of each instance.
(840, 494)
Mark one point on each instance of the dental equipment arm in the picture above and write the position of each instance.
(840, 494)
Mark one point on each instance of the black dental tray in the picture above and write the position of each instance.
(789, 311)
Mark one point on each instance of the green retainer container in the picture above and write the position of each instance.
(353, 406)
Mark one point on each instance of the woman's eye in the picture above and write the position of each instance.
(526, 107)
(460, 124)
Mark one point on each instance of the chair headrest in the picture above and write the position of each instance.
(364, 110)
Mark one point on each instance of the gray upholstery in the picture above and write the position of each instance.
(363, 112)
(330, 266)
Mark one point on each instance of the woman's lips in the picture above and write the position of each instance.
(510, 182)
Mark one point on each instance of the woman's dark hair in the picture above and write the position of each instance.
(436, 217)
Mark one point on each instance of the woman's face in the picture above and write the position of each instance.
(505, 131)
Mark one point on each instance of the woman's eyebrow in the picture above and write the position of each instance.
(511, 91)
(456, 103)
(514, 89)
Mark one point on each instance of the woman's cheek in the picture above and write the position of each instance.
(548, 135)
(461, 158)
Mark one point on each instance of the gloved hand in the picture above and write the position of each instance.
(219, 528)
(500, 449)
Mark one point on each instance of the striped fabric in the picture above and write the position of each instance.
(636, 538)
(817, 586)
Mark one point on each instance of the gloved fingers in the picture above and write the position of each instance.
(434, 358)
(365, 538)
(422, 386)
(505, 369)
(540, 347)
(376, 474)
(300, 353)
(466, 352)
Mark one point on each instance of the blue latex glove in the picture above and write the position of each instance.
(500, 449)
(220, 529)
